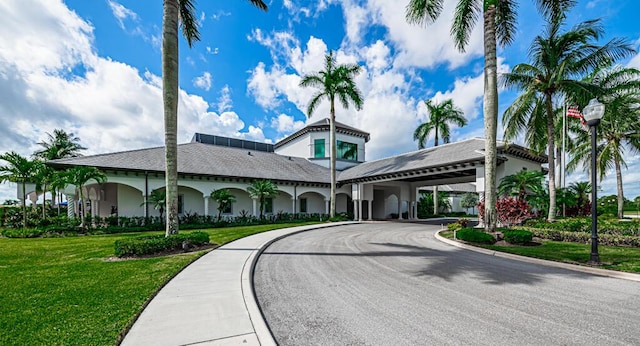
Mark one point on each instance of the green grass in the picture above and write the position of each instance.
(616, 258)
(619, 258)
(63, 291)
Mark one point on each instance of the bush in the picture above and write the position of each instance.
(517, 236)
(150, 245)
(473, 236)
(511, 211)
(454, 226)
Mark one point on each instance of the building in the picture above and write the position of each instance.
(298, 165)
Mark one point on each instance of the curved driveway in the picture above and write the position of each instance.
(395, 284)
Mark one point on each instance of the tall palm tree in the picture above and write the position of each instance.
(262, 189)
(174, 12)
(59, 145)
(19, 170)
(81, 176)
(335, 81)
(499, 27)
(44, 179)
(58, 182)
(224, 198)
(619, 130)
(440, 116)
(519, 183)
(558, 61)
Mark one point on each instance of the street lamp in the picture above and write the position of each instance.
(592, 114)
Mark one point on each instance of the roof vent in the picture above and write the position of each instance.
(249, 153)
(290, 159)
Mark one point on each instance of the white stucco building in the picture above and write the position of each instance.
(298, 165)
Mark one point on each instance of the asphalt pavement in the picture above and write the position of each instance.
(395, 284)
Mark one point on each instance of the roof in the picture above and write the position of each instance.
(208, 160)
(461, 153)
(462, 187)
(323, 125)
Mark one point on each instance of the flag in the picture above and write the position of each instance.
(573, 112)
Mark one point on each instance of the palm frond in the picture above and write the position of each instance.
(465, 17)
(423, 11)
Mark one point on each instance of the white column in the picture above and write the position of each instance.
(361, 209)
(206, 204)
(399, 209)
(370, 216)
(93, 208)
(145, 201)
(326, 206)
(414, 208)
(355, 209)
(71, 206)
(255, 204)
(293, 205)
(97, 206)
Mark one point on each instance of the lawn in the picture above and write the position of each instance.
(64, 291)
(620, 258)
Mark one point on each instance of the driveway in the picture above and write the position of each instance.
(395, 284)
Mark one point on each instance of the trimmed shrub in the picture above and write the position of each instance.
(454, 226)
(473, 236)
(150, 245)
(517, 236)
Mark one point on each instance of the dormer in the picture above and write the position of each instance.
(312, 142)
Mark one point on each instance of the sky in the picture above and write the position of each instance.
(93, 68)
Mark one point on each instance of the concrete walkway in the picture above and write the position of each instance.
(211, 302)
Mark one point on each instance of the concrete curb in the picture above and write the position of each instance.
(262, 331)
(573, 267)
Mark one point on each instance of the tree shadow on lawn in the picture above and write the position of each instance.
(449, 264)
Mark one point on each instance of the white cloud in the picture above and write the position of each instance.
(121, 13)
(286, 124)
(111, 106)
(224, 101)
(203, 82)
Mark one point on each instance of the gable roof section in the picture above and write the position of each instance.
(323, 125)
(467, 152)
(208, 160)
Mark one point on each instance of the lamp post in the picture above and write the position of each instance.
(592, 114)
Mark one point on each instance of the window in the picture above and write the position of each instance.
(347, 151)
(180, 204)
(303, 205)
(268, 205)
(318, 148)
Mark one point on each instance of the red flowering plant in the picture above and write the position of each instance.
(511, 211)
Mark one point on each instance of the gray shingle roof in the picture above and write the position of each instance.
(471, 150)
(209, 160)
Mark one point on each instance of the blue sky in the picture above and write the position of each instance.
(94, 67)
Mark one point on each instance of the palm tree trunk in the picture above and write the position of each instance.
(332, 153)
(170, 100)
(616, 162)
(552, 161)
(44, 200)
(24, 204)
(490, 118)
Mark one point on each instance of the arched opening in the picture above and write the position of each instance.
(344, 203)
(310, 203)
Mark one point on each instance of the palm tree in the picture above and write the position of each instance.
(80, 176)
(59, 181)
(175, 11)
(262, 189)
(158, 199)
(519, 183)
(334, 81)
(224, 198)
(499, 27)
(19, 170)
(581, 191)
(44, 178)
(619, 129)
(440, 115)
(558, 60)
(59, 145)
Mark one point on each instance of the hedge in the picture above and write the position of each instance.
(473, 236)
(517, 236)
(585, 237)
(149, 245)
